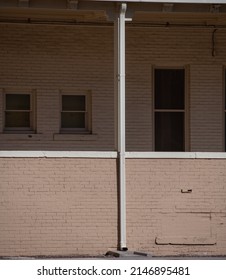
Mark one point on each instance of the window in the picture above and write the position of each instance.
(19, 112)
(75, 113)
(169, 109)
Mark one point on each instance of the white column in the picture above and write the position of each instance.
(120, 96)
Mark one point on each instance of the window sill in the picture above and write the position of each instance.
(75, 137)
(10, 136)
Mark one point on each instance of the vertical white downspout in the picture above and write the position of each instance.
(120, 50)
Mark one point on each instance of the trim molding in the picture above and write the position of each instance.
(111, 154)
(176, 155)
(57, 154)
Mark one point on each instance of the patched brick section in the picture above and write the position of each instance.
(160, 205)
(57, 206)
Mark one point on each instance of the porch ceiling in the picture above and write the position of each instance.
(72, 11)
(180, 18)
(43, 14)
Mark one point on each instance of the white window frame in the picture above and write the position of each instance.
(186, 105)
(88, 113)
(32, 112)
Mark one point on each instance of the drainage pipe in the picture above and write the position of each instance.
(120, 61)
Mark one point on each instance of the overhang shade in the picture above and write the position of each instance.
(166, 1)
(204, 12)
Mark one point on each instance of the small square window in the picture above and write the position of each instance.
(75, 113)
(18, 112)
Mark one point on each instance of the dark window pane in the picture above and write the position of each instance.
(169, 131)
(17, 102)
(73, 103)
(169, 89)
(73, 120)
(17, 119)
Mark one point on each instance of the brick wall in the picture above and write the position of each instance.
(57, 206)
(191, 48)
(77, 58)
(51, 59)
(47, 205)
(68, 206)
(161, 210)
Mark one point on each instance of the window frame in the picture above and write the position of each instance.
(88, 113)
(32, 111)
(185, 111)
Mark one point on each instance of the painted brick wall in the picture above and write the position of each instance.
(57, 206)
(52, 58)
(75, 58)
(47, 205)
(160, 210)
(69, 206)
(192, 48)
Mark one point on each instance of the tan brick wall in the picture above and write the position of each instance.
(62, 206)
(52, 58)
(47, 204)
(176, 47)
(57, 206)
(157, 210)
(76, 58)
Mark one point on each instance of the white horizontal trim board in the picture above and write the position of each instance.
(58, 154)
(175, 155)
(111, 154)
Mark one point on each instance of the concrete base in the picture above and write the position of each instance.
(128, 254)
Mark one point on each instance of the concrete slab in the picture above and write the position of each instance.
(128, 254)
